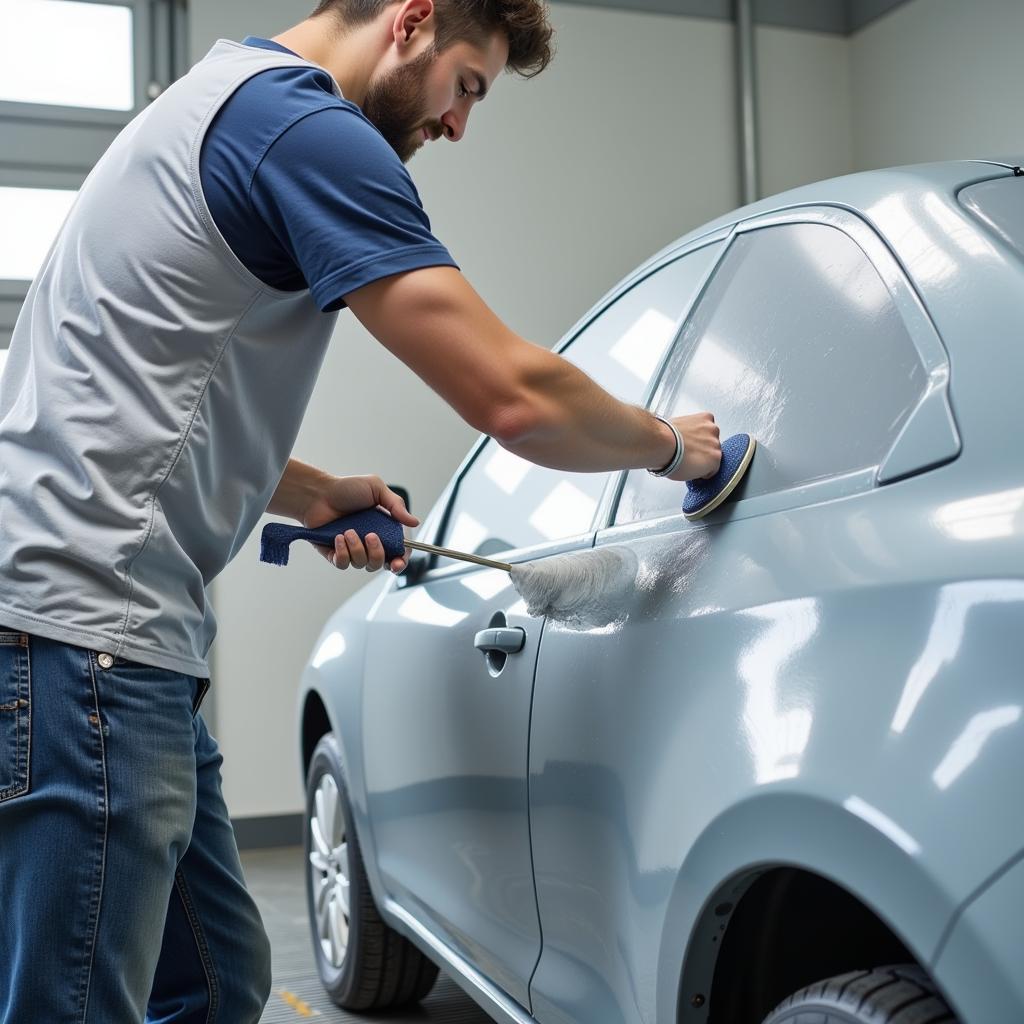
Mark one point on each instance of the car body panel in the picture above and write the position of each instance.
(981, 960)
(884, 196)
(825, 676)
(445, 769)
(813, 663)
(996, 203)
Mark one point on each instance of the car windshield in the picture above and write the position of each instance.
(999, 205)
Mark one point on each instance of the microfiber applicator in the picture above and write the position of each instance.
(704, 496)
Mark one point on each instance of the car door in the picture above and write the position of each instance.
(446, 710)
(699, 690)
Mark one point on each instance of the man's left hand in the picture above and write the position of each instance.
(344, 494)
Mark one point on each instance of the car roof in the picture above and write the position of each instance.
(871, 193)
(879, 196)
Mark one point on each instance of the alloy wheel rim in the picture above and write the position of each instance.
(329, 871)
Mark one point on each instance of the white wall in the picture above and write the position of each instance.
(804, 107)
(938, 79)
(561, 186)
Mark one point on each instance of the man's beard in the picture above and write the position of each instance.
(394, 105)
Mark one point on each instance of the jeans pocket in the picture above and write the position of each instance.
(15, 714)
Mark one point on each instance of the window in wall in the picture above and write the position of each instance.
(798, 342)
(87, 60)
(31, 218)
(72, 75)
(504, 502)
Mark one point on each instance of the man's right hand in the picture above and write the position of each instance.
(702, 447)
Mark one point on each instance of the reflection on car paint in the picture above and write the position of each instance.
(565, 509)
(640, 349)
(983, 517)
(419, 606)
(777, 720)
(507, 470)
(332, 646)
(873, 816)
(486, 584)
(467, 534)
(967, 746)
(946, 635)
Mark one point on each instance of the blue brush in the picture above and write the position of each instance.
(276, 537)
(704, 496)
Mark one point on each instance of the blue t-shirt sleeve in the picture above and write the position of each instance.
(340, 202)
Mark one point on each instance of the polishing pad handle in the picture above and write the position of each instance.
(277, 536)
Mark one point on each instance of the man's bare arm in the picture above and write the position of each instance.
(298, 488)
(533, 402)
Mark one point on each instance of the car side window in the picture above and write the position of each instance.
(504, 502)
(798, 342)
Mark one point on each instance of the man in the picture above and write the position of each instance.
(156, 381)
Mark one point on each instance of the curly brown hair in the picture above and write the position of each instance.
(524, 22)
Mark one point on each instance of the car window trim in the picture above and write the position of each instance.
(930, 350)
(806, 495)
(889, 267)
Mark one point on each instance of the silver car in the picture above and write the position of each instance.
(781, 779)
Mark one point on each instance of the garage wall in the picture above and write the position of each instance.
(804, 107)
(561, 186)
(938, 79)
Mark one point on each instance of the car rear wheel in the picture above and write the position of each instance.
(903, 994)
(363, 964)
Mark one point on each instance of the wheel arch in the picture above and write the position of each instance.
(789, 928)
(314, 722)
(330, 700)
(760, 861)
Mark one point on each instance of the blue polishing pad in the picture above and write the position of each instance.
(704, 496)
(276, 537)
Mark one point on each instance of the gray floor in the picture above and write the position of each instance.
(276, 880)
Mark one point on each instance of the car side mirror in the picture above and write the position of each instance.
(415, 568)
(403, 493)
(419, 561)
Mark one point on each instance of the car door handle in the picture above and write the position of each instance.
(509, 640)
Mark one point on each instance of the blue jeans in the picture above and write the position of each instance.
(121, 893)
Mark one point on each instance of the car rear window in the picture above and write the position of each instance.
(999, 205)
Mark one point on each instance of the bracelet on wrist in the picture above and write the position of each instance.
(677, 455)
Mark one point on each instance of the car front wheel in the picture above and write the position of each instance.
(903, 994)
(363, 964)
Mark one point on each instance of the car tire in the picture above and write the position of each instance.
(901, 994)
(374, 968)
